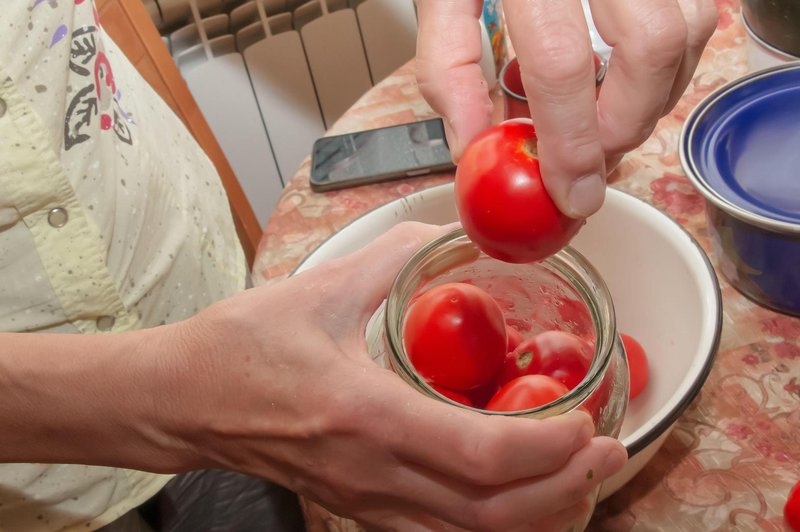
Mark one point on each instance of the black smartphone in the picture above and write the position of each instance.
(381, 154)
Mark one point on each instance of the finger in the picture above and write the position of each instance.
(574, 517)
(649, 40)
(485, 449)
(515, 504)
(578, 479)
(612, 162)
(448, 68)
(552, 43)
(390, 520)
(601, 458)
(373, 267)
(701, 18)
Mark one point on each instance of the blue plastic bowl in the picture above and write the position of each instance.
(740, 147)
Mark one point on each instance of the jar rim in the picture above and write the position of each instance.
(567, 262)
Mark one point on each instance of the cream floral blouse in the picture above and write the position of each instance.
(111, 218)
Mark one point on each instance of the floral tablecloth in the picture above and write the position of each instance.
(735, 453)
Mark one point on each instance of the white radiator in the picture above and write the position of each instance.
(271, 78)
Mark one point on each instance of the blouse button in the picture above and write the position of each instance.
(105, 323)
(57, 217)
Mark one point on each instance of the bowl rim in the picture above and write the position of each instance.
(750, 32)
(691, 169)
(701, 375)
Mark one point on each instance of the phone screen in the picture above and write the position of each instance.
(379, 154)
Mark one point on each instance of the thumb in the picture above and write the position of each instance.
(557, 67)
(374, 267)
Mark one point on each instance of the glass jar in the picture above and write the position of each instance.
(563, 292)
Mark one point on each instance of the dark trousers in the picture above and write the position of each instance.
(215, 501)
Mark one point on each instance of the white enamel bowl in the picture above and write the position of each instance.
(663, 287)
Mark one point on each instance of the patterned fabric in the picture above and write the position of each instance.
(111, 219)
(735, 453)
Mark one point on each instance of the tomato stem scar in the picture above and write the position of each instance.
(524, 359)
(529, 148)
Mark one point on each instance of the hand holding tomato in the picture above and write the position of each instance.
(501, 199)
(302, 403)
(657, 46)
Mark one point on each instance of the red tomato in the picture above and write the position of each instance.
(563, 356)
(557, 354)
(480, 396)
(637, 365)
(791, 512)
(521, 361)
(501, 200)
(514, 338)
(526, 392)
(458, 397)
(455, 336)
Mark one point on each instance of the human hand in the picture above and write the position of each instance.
(656, 48)
(277, 382)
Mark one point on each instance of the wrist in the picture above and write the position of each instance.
(162, 362)
(187, 388)
(90, 399)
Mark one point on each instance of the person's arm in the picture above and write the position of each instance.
(90, 399)
(277, 382)
(657, 45)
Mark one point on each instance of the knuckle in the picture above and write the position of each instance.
(432, 83)
(354, 493)
(337, 266)
(482, 469)
(474, 465)
(580, 151)
(471, 513)
(661, 36)
(409, 229)
(561, 58)
(425, 72)
(341, 415)
(703, 24)
(628, 142)
(412, 234)
(577, 489)
(625, 135)
(583, 140)
(444, 86)
(584, 506)
(489, 516)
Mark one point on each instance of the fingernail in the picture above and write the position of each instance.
(586, 431)
(615, 459)
(586, 196)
